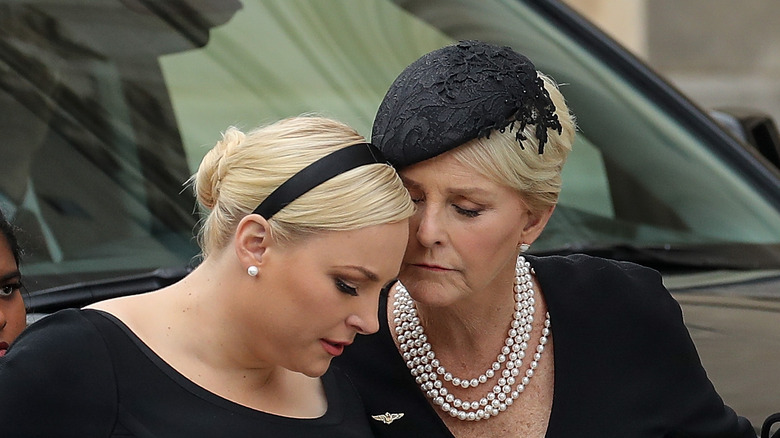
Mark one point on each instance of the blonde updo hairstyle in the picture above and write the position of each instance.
(242, 169)
(535, 176)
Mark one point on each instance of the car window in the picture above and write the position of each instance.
(92, 160)
(636, 175)
(107, 108)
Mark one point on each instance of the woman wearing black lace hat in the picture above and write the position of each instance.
(479, 340)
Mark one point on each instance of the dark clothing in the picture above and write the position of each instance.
(84, 374)
(625, 365)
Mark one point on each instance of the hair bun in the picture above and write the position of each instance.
(215, 167)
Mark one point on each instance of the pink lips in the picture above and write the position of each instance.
(435, 268)
(332, 347)
(3, 348)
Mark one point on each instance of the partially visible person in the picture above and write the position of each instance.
(12, 311)
(480, 339)
(306, 227)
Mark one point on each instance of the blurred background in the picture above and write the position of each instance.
(719, 52)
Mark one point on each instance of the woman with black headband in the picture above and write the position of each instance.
(478, 339)
(307, 224)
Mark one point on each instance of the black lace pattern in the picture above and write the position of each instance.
(456, 94)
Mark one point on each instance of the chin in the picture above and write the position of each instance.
(315, 373)
(313, 368)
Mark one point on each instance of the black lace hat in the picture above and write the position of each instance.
(456, 94)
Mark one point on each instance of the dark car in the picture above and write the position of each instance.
(106, 107)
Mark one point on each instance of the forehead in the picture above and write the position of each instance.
(7, 262)
(366, 247)
(446, 171)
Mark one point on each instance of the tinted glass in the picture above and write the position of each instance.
(106, 107)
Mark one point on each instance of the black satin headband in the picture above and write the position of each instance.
(317, 173)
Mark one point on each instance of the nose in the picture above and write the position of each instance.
(3, 319)
(430, 231)
(366, 320)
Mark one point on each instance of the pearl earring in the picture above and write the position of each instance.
(252, 271)
(524, 247)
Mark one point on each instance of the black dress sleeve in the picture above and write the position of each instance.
(56, 381)
(625, 364)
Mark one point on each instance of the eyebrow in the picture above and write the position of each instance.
(10, 275)
(462, 191)
(370, 275)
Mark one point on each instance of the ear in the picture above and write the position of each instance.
(252, 240)
(534, 225)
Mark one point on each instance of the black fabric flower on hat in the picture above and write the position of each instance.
(456, 94)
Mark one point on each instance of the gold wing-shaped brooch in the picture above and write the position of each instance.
(387, 417)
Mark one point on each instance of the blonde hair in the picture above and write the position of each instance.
(536, 177)
(241, 170)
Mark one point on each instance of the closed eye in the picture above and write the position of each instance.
(345, 288)
(466, 212)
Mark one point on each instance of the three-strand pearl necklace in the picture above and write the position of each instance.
(426, 368)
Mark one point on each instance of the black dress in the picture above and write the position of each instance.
(84, 374)
(625, 365)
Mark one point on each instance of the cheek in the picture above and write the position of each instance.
(489, 242)
(15, 314)
(313, 303)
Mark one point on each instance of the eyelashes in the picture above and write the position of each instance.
(345, 288)
(460, 210)
(8, 289)
(466, 212)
